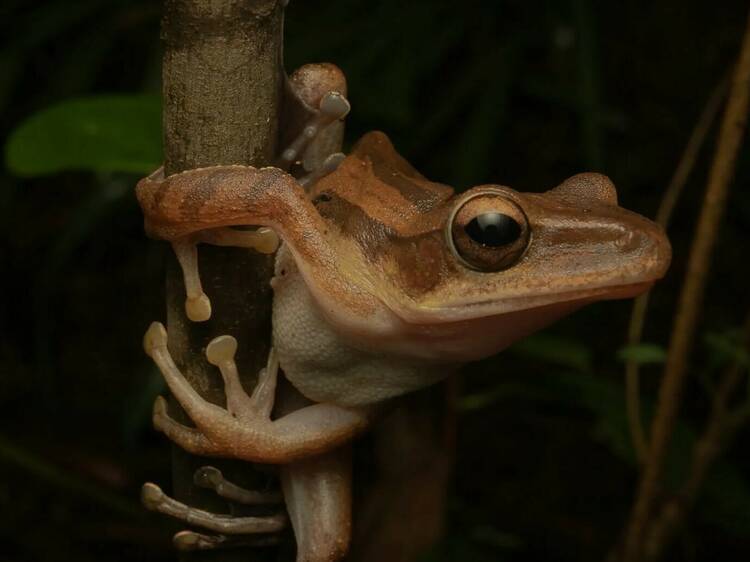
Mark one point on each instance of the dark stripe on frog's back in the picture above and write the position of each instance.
(421, 257)
(422, 260)
(371, 235)
(378, 183)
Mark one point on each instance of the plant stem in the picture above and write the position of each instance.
(663, 215)
(222, 81)
(722, 425)
(691, 297)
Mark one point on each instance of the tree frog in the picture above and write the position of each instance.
(385, 282)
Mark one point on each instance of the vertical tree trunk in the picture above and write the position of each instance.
(222, 89)
(222, 80)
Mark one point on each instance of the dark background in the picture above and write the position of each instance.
(518, 92)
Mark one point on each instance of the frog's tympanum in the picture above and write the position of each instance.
(385, 282)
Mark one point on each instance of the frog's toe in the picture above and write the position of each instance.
(189, 438)
(211, 477)
(189, 541)
(155, 499)
(335, 105)
(330, 164)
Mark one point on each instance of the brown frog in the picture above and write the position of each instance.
(385, 282)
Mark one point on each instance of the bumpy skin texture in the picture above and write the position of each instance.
(374, 297)
(305, 89)
(327, 368)
(369, 245)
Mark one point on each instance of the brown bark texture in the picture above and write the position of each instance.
(222, 80)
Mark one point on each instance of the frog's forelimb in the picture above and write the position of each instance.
(333, 106)
(197, 303)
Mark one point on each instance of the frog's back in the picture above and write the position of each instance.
(387, 217)
(375, 194)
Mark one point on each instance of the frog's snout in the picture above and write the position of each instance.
(587, 188)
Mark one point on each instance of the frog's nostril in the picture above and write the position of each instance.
(587, 188)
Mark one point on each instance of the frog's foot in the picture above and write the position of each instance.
(216, 426)
(197, 303)
(211, 477)
(333, 107)
(244, 430)
(188, 541)
(329, 165)
(227, 526)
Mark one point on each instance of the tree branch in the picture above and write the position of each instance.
(663, 215)
(723, 423)
(222, 81)
(691, 297)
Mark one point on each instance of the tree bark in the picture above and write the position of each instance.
(222, 84)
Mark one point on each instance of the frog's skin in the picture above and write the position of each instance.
(379, 290)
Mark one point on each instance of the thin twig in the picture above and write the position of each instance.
(691, 297)
(721, 427)
(640, 306)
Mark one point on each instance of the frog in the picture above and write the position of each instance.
(384, 283)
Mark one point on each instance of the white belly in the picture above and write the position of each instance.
(325, 368)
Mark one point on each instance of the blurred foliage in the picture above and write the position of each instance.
(643, 353)
(101, 134)
(523, 93)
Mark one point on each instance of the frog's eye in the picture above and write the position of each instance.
(488, 232)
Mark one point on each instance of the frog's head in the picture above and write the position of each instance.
(508, 251)
(392, 257)
(476, 271)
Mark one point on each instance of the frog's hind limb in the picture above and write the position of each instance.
(189, 541)
(156, 500)
(318, 499)
(329, 165)
(317, 493)
(245, 430)
(211, 478)
(314, 107)
(231, 531)
(333, 107)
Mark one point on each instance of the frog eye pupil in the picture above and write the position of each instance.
(493, 229)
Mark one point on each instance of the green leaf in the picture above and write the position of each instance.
(643, 353)
(111, 133)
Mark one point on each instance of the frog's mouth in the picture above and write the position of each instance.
(468, 332)
(462, 311)
(562, 272)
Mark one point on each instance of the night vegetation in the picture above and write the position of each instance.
(521, 93)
